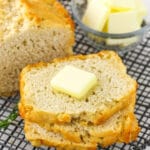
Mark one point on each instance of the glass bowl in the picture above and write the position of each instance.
(123, 42)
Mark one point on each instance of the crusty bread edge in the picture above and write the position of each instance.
(69, 20)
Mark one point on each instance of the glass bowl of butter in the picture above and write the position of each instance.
(113, 24)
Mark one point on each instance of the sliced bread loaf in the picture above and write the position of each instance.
(112, 128)
(31, 31)
(114, 90)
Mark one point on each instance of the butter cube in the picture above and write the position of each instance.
(123, 5)
(96, 15)
(122, 22)
(74, 81)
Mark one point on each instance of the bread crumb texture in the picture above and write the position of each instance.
(31, 31)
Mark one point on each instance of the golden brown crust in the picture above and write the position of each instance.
(64, 13)
(130, 129)
(47, 13)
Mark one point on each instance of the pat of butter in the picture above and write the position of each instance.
(122, 5)
(96, 15)
(122, 22)
(74, 81)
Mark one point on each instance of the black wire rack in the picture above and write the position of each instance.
(138, 65)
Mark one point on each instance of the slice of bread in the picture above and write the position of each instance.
(31, 31)
(114, 128)
(39, 136)
(113, 93)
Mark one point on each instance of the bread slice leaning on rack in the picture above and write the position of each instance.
(31, 31)
(40, 104)
(109, 131)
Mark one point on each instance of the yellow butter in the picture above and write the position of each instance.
(96, 15)
(73, 81)
(122, 22)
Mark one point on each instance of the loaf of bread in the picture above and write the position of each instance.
(113, 93)
(113, 129)
(31, 31)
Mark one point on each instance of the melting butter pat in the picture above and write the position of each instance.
(96, 15)
(74, 81)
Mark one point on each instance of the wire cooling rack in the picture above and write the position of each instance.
(138, 64)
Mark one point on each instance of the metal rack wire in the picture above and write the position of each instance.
(138, 64)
